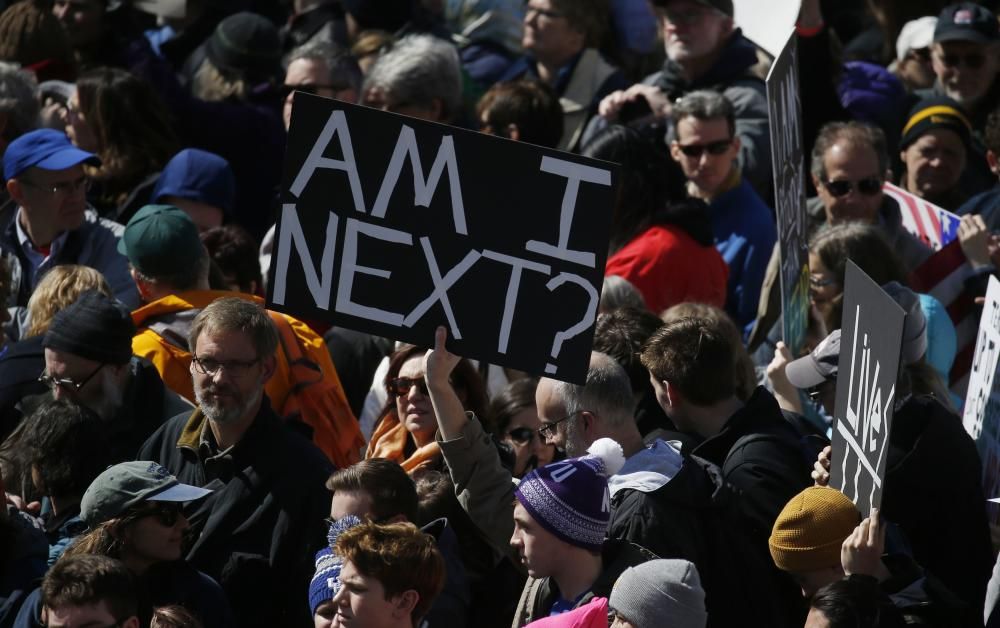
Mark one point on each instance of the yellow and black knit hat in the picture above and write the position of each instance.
(938, 112)
(812, 526)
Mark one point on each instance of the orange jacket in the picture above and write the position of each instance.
(338, 436)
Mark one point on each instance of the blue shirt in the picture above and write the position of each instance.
(745, 234)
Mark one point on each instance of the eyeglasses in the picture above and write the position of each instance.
(400, 386)
(61, 188)
(531, 12)
(971, 60)
(66, 383)
(235, 368)
(713, 148)
(522, 435)
(818, 283)
(842, 187)
(548, 430)
(313, 89)
(165, 513)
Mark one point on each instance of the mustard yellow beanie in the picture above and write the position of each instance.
(812, 526)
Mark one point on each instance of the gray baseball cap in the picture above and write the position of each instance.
(124, 485)
(817, 367)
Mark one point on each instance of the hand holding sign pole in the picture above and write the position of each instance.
(870, 348)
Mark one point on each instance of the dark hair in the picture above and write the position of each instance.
(234, 252)
(651, 191)
(65, 443)
(131, 147)
(621, 333)
(174, 616)
(855, 133)
(590, 17)
(857, 602)
(529, 104)
(465, 379)
(400, 557)
(391, 489)
(517, 396)
(865, 245)
(695, 357)
(746, 376)
(90, 579)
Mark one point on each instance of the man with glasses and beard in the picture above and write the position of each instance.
(850, 162)
(89, 361)
(259, 530)
(705, 144)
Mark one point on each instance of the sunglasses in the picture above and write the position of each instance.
(713, 148)
(869, 187)
(313, 89)
(165, 513)
(400, 386)
(971, 60)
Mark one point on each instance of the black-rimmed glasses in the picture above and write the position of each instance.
(66, 383)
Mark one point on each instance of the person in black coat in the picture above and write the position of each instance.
(258, 531)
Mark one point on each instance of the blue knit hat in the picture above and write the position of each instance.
(326, 581)
(570, 498)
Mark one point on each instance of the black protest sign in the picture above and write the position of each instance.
(393, 226)
(784, 112)
(870, 345)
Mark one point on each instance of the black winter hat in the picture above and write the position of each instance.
(94, 327)
(246, 44)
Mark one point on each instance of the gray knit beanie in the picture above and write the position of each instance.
(660, 592)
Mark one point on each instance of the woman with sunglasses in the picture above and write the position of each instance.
(516, 423)
(133, 511)
(405, 433)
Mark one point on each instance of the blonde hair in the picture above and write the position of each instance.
(211, 85)
(60, 287)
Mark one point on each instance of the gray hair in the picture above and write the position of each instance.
(703, 104)
(18, 99)
(606, 393)
(855, 133)
(419, 69)
(342, 67)
(619, 292)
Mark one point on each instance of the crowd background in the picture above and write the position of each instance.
(173, 454)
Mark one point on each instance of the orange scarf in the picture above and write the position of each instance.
(390, 439)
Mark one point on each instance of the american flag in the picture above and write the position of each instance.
(943, 274)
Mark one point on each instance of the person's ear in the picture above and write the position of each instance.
(404, 603)
(16, 190)
(268, 366)
(675, 151)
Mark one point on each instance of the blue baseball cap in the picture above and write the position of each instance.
(43, 148)
(198, 175)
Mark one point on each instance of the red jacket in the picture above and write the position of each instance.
(669, 267)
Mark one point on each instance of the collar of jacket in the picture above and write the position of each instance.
(738, 55)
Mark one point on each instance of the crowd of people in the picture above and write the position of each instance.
(174, 454)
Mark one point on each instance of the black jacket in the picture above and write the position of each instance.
(696, 516)
(258, 532)
(933, 491)
(763, 457)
